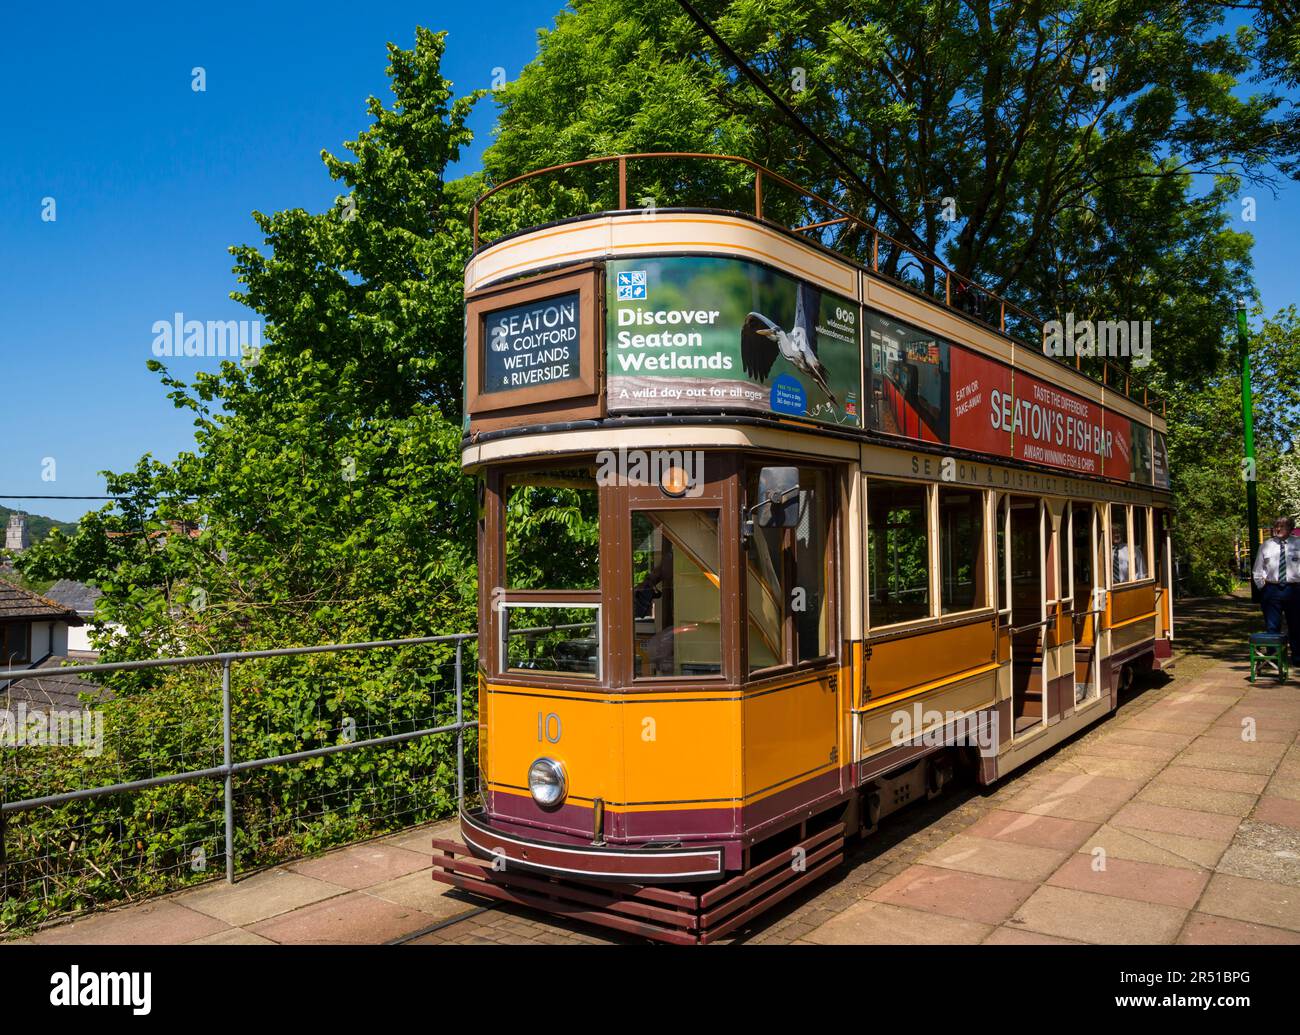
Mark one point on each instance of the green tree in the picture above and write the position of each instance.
(323, 502)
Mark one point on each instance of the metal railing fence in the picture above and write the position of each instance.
(303, 712)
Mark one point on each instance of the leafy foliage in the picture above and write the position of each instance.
(323, 502)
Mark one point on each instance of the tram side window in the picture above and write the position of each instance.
(676, 595)
(898, 551)
(552, 529)
(1120, 566)
(785, 580)
(1063, 588)
(1081, 533)
(1140, 545)
(961, 550)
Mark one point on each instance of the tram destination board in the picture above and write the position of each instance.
(532, 344)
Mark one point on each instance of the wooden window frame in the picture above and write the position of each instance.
(791, 663)
(937, 610)
(583, 391)
(931, 553)
(493, 591)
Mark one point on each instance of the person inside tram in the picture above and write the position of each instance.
(1120, 566)
(1277, 577)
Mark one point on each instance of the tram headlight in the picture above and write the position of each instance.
(547, 783)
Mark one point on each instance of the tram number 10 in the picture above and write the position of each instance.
(548, 727)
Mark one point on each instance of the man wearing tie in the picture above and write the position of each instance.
(1277, 574)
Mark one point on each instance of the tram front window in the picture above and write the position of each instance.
(552, 640)
(785, 579)
(552, 529)
(676, 594)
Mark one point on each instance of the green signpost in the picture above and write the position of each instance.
(1248, 430)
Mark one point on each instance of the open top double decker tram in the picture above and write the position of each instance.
(771, 541)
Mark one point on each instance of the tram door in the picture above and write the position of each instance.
(1025, 559)
(1084, 533)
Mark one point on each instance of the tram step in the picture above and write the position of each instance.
(658, 913)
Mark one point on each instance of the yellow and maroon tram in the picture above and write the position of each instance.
(771, 541)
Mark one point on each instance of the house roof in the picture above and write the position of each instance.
(44, 687)
(76, 595)
(18, 603)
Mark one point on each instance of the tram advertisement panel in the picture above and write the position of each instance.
(1159, 461)
(698, 332)
(920, 386)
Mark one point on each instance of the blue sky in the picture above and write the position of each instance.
(153, 181)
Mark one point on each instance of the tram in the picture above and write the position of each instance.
(772, 541)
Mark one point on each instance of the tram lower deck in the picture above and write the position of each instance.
(745, 631)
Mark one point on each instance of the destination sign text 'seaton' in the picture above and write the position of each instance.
(532, 344)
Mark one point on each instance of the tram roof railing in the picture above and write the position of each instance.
(939, 282)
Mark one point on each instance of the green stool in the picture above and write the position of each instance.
(1268, 649)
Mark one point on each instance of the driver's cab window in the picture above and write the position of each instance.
(786, 574)
(676, 593)
(548, 609)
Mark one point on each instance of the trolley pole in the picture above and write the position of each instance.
(1248, 431)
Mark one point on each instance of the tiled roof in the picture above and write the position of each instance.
(48, 689)
(76, 595)
(16, 602)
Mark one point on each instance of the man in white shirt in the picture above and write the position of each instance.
(1277, 575)
(1119, 567)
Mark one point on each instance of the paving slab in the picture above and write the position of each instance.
(996, 858)
(352, 919)
(233, 936)
(1205, 929)
(1019, 936)
(1198, 799)
(1278, 811)
(1208, 826)
(422, 892)
(1255, 901)
(258, 897)
(160, 922)
(364, 866)
(1027, 829)
(969, 896)
(1212, 779)
(1150, 846)
(1099, 919)
(1128, 878)
(880, 923)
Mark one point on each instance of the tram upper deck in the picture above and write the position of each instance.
(620, 317)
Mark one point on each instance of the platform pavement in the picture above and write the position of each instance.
(1160, 825)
